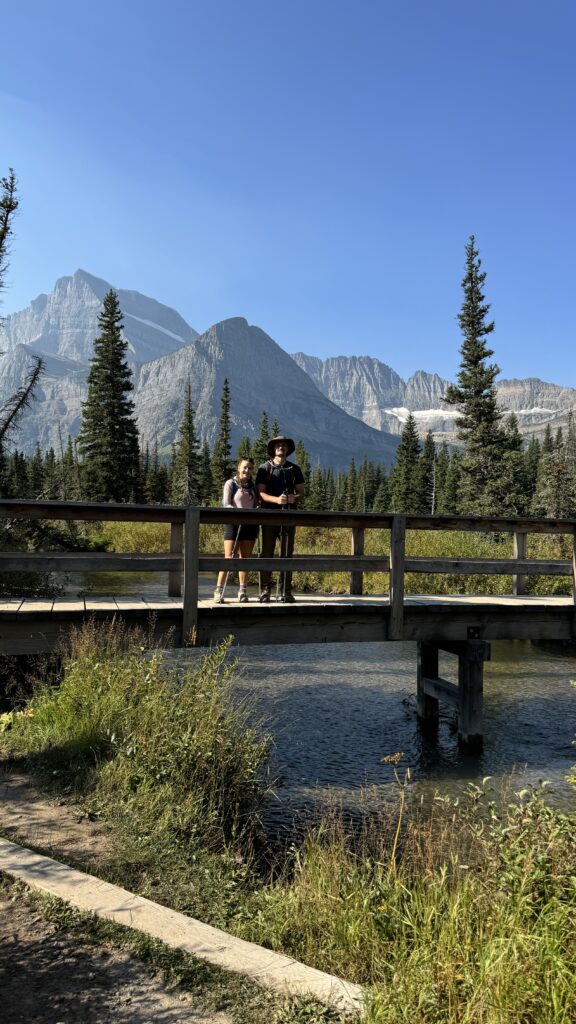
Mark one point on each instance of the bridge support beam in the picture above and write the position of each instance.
(466, 697)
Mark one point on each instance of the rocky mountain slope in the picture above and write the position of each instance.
(372, 391)
(64, 323)
(262, 376)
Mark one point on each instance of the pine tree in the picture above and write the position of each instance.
(244, 449)
(108, 438)
(351, 488)
(382, 499)
(35, 473)
(222, 466)
(4, 474)
(260, 446)
(275, 428)
(367, 482)
(185, 471)
(316, 497)
(66, 470)
(552, 496)
(205, 474)
(511, 486)
(531, 461)
(404, 482)
(302, 459)
(51, 475)
(479, 425)
(426, 478)
(330, 489)
(448, 503)
(442, 464)
(570, 454)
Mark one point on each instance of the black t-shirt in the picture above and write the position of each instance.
(279, 479)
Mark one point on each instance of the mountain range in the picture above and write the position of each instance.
(165, 352)
(343, 407)
(373, 392)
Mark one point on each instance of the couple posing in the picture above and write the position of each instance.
(279, 484)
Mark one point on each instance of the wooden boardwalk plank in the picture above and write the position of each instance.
(133, 603)
(100, 604)
(67, 605)
(163, 604)
(35, 606)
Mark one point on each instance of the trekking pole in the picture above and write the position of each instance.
(283, 550)
(232, 556)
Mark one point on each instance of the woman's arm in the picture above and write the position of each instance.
(227, 495)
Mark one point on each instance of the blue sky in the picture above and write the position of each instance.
(313, 166)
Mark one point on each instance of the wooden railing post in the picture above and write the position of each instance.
(518, 579)
(191, 552)
(357, 578)
(175, 578)
(397, 556)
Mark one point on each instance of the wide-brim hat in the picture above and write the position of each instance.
(276, 440)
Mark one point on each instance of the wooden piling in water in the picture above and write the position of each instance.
(466, 697)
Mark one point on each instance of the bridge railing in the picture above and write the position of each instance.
(184, 558)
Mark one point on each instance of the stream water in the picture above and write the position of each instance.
(335, 710)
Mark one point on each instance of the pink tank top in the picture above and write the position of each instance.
(242, 496)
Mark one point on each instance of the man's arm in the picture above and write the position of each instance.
(272, 499)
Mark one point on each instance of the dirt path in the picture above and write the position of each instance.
(49, 977)
(61, 828)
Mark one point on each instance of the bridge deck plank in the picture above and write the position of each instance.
(35, 607)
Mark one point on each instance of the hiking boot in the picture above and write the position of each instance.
(242, 595)
(218, 596)
(265, 597)
(289, 599)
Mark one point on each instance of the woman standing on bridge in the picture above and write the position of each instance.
(239, 492)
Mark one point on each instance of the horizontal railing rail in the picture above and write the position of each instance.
(184, 559)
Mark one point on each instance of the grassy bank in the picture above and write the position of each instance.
(466, 914)
(154, 538)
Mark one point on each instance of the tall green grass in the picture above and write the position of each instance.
(472, 920)
(154, 538)
(167, 757)
(463, 914)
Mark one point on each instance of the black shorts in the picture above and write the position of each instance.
(246, 532)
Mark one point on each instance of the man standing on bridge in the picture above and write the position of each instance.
(280, 484)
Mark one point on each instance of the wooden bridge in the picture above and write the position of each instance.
(460, 624)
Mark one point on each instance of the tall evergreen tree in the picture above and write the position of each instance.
(479, 425)
(316, 498)
(260, 446)
(222, 465)
(351, 488)
(511, 487)
(531, 460)
(244, 449)
(404, 482)
(35, 473)
(185, 471)
(108, 438)
(205, 474)
(382, 499)
(448, 503)
(302, 459)
(426, 478)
